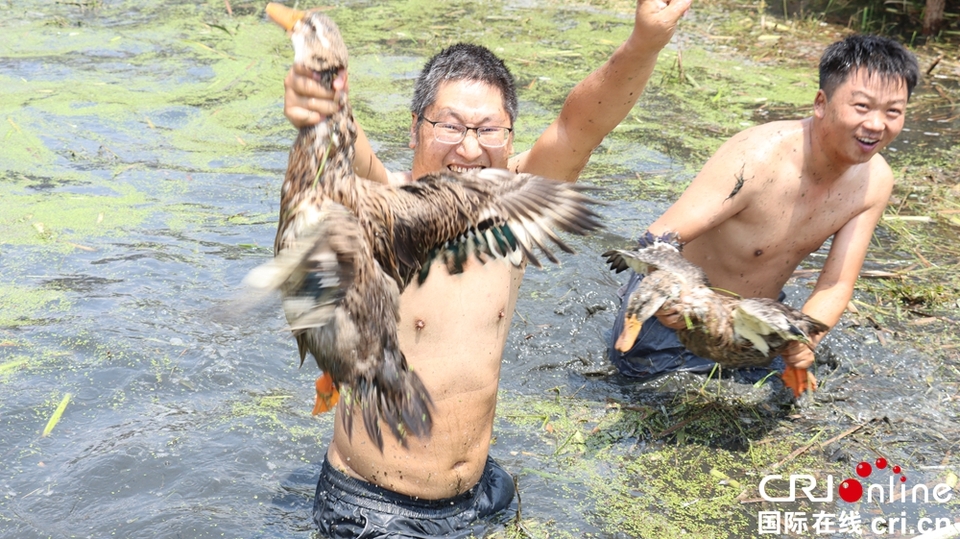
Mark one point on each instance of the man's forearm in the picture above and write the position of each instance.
(827, 305)
(365, 163)
(601, 101)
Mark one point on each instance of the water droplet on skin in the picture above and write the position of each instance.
(850, 490)
(864, 469)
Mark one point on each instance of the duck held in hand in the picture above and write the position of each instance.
(346, 247)
(734, 332)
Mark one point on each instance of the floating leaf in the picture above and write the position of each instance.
(911, 218)
(11, 365)
(723, 477)
(57, 414)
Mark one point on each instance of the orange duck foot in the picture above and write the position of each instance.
(799, 380)
(327, 394)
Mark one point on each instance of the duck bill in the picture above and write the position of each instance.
(284, 16)
(631, 329)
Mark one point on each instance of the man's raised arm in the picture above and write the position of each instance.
(597, 104)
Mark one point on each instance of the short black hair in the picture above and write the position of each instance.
(879, 55)
(464, 62)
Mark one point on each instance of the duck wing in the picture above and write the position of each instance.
(488, 214)
(658, 256)
(314, 269)
(747, 332)
(769, 324)
(712, 334)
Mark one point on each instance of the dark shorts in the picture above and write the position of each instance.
(348, 508)
(658, 350)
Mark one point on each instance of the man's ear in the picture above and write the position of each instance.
(413, 130)
(820, 104)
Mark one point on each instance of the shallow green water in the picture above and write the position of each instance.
(143, 146)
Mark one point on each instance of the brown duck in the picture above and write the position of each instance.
(734, 332)
(346, 247)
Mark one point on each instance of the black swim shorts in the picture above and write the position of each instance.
(348, 508)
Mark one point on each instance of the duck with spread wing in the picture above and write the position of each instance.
(346, 246)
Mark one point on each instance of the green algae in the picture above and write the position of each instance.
(279, 412)
(55, 219)
(234, 88)
(24, 305)
(677, 484)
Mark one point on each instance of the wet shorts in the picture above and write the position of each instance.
(348, 508)
(658, 350)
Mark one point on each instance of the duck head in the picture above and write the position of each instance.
(317, 43)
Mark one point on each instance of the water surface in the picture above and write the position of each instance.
(143, 147)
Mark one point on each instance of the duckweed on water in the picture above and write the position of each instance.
(54, 219)
(647, 484)
(281, 414)
(28, 305)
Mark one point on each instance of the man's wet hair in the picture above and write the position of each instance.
(464, 62)
(878, 55)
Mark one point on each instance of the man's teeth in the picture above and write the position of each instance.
(457, 168)
(868, 140)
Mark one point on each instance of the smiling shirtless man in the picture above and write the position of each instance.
(774, 193)
(454, 327)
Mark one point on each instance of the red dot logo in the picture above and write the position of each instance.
(881, 463)
(864, 469)
(851, 490)
(896, 469)
(903, 479)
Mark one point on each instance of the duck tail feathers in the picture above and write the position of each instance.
(396, 396)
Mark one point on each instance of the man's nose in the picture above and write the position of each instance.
(470, 148)
(876, 121)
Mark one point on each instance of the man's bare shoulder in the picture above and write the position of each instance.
(399, 178)
(763, 138)
(517, 163)
(880, 181)
(767, 149)
(880, 168)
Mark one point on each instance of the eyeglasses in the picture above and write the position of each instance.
(491, 137)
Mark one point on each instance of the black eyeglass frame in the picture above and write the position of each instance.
(463, 132)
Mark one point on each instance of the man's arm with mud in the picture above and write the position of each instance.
(601, 101)
(835, 284)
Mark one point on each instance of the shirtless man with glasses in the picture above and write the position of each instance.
(454, 327)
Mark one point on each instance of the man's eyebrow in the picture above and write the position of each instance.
(459, 117)
(871, 97)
